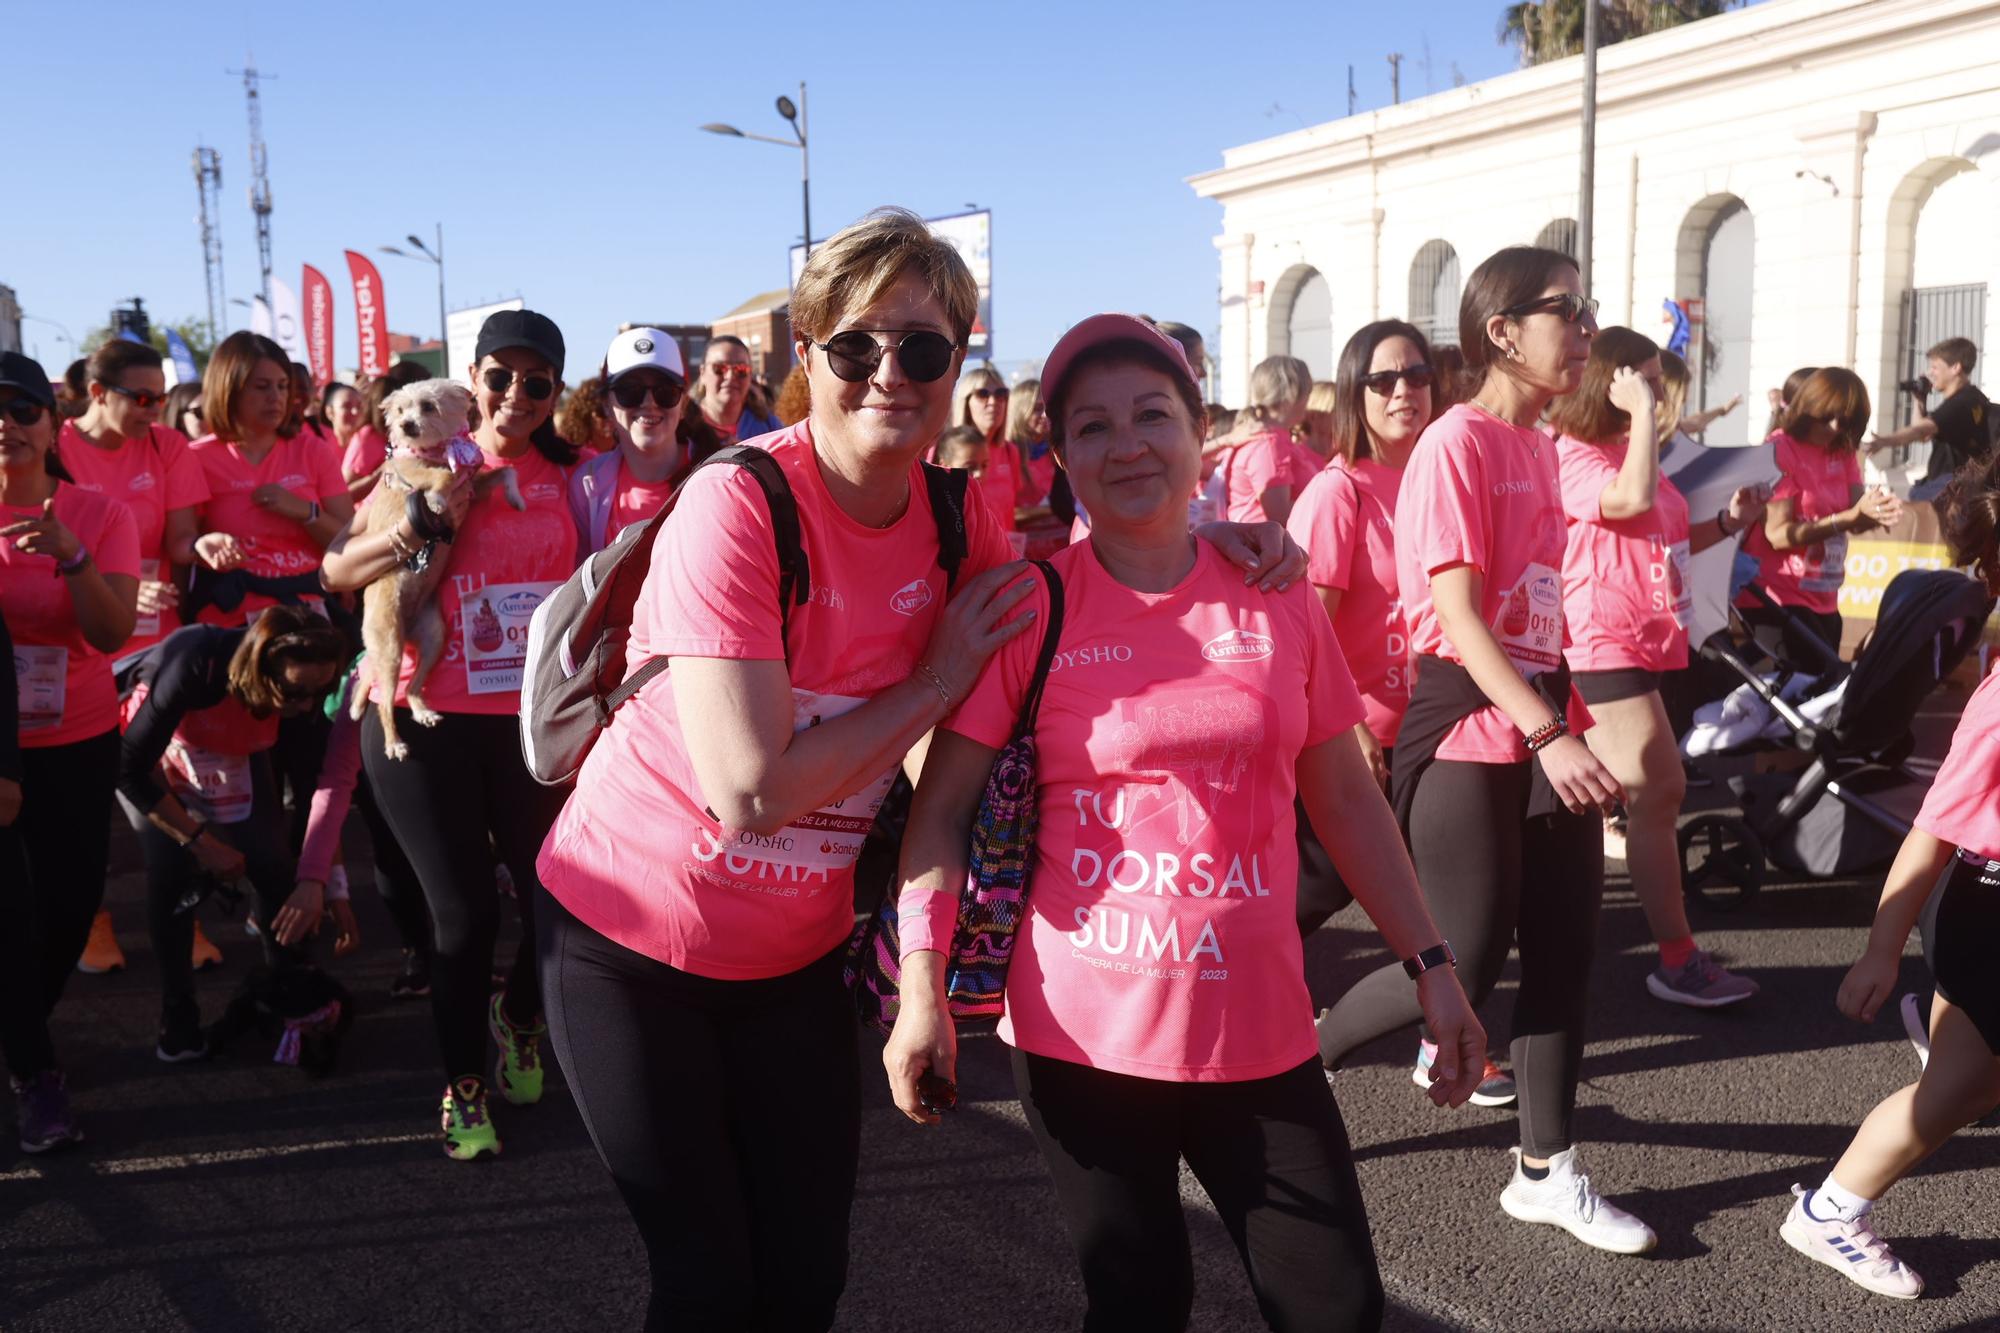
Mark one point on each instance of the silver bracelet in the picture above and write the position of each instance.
(924, 670)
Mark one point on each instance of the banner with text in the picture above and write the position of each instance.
(371, 326)
(317, 294)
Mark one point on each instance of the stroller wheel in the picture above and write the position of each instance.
(1722, 861)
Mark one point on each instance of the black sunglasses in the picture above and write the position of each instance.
(854, 355)
(989, 392)
(630, 393)
(1566, 304)
(498, 379)
(139, 397)
(23, 411)
(1383, 382)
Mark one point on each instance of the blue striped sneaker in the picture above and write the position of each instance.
(1851, 1248)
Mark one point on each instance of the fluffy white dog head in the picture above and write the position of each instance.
(424, 417)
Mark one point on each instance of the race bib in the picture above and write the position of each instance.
(212, 786)
(828, 839)
(1825, 565)
(147, 622)
(1530, 628)
(494, 634)
(1679, 583)
(41, 674)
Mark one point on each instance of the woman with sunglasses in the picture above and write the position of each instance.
(196, 780)
(1156, 1003)
(1626, 601)
(183, 410)
(463, 790)
(699, 883)
(981, 401)
(1501, 802)
(728, 400)
(69, 574)
(644, 393)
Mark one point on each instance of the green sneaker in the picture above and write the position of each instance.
(468, 1130)
(518, 1071)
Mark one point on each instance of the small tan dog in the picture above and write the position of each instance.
(429, 456)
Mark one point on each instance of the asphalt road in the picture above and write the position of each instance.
(243, 1195)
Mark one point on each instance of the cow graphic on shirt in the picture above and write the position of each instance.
(1200, 736)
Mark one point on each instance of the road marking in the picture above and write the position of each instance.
(127, 1166)
(20, 1173)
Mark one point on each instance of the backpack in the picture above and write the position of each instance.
(574, 677)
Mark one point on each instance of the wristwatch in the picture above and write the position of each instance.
(1438, 955)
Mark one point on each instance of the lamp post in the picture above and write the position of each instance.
(796, 115)
(1586, 207)
(60, 328)
(432, 256)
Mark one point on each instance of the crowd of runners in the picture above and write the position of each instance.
(1409, 639)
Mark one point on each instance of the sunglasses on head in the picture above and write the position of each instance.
(730, 370)
(139, 397)
(22, 411)
(1383, 382)
(499, 379)
(630, 393)
(1568, 305)
(854, 355)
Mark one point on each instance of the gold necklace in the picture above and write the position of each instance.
(1534, 436)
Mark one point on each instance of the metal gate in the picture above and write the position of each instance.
(1930, 315)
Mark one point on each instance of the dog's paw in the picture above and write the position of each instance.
(396, 750)
(423, 714)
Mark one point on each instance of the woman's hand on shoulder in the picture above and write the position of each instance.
(975, 624)
(1264, 551)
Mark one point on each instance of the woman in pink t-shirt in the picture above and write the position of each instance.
(1945, 879)
(1156, 1001)
(644, 384)
(1626, 599)
(69, 575)
(1501, 803)
(461, 791)
(982, 401)
(1253, 477)
(1801, 547)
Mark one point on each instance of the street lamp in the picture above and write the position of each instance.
(432, 256)
(796, 115)
(58, 327)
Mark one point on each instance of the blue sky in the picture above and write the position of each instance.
(557, 144)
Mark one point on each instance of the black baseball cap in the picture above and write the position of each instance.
(521, 328)
(26, 374)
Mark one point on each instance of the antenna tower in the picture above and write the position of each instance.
(260, 179)
(208, 181)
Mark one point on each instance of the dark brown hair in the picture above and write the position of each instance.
(235, 360)
(1510, 277)
(280, 635)
(948, 443)
(1793, 383)
(1960, 352)
(1969, 515)
(1124, 352)
(1587, 414)
(1830, 394)
(582, 416)
(1350, 417)
(794, 397)
(179, 399)
(114, 358)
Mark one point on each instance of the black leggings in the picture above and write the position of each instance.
(463, 792)
(1321, 890)
(1494, 877)
(729, 1116)
(395, 881)
(171, 871)
(1961, 922)
(295, 763)
(52, 866)
(1272, 1154)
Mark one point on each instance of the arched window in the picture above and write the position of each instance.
(1716, 265)
(1434, 292)
(1308, 321)
(1559, 235)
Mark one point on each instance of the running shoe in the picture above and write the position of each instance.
(41, 1106)
(101, 953)
(181, 1037)
(517, 1070)
(1700, 983)
(468, 1129)
(1564, 1198)
(1913, 1027)
(1851, 1248)
(1496, 1085)
(414, 981)
(206, 955)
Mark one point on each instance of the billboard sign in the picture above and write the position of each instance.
(462, 334)
(971, 234)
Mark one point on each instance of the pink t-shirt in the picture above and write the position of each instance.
(998, 485)
(1820, 483)
(634, 854)
(63, 684)
(149, 476)
(1253, 467)
(273, 546)
(1345, 520)
(366, 452)
(502, 563)
(1963, 805)
(1041, 472)
(1161, 938)
(1626, 596)
(634, 501)
(1306, 464)
(1478, 491)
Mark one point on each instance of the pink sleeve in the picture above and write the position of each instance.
(116, 549)
(713, 581)
(1453, 526)
(1586, 471)
(986, 543)
(1333, 703)
(1963, 804)
(335, 793)
(187, 484)
(327, 480)
(1324, 522)
(1854, 469)
(363, 454)
(1262, 464)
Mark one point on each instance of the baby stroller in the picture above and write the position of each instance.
(1929, 621)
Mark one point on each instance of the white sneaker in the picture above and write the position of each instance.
(1850, 1248)
(1565, 1199)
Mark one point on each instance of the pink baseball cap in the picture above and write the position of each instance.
(1101, 329)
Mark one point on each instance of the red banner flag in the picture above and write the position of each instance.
(370, 319)
(317, 295)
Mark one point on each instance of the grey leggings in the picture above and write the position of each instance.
(1493, 877)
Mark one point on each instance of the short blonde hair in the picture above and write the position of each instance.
(852, 270)
(1277, 381)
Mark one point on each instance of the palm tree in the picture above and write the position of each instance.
(1551, 29)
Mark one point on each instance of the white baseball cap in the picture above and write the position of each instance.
(640, 349)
